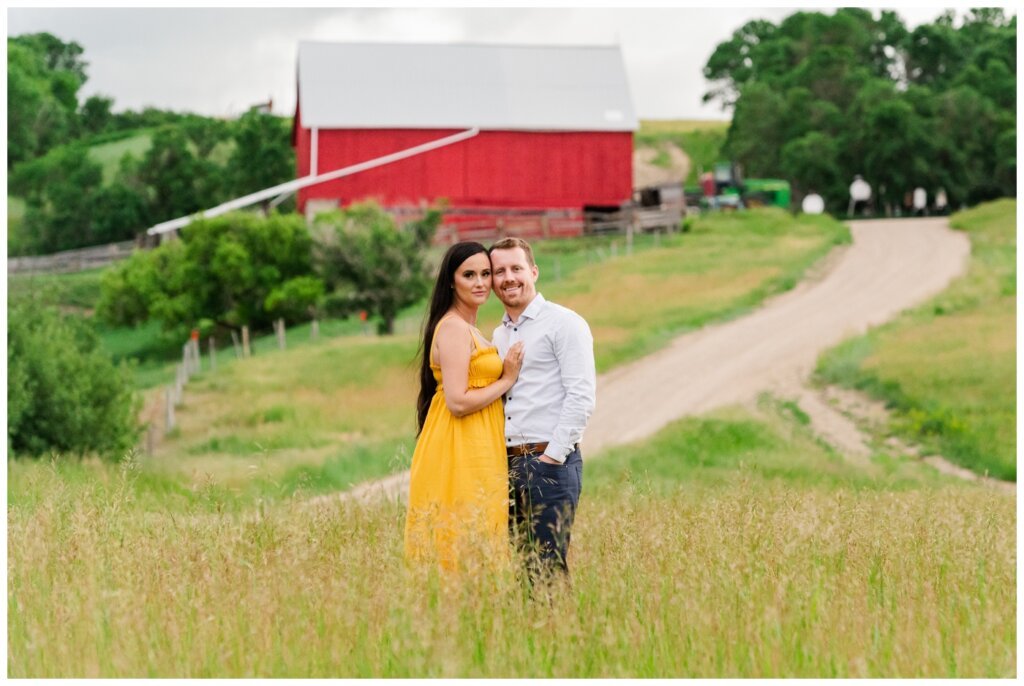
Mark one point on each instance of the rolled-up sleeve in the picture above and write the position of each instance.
(574, 348)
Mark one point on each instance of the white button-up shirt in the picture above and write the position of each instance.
(555, 393)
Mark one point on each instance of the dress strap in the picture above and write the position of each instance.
(475, 339)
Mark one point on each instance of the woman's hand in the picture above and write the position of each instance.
(513, 362)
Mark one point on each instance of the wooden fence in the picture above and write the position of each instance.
(72, 260)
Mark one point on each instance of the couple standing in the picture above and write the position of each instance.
(497, 455)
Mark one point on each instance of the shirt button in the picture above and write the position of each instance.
(515, 329)
(508, 418)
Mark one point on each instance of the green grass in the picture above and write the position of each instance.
(701, 141)
(72, 291)
(948, 368)
(109, 154)
(729, 546)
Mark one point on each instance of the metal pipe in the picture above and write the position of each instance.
(312, 180)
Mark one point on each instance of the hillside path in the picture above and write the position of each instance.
(890, 266)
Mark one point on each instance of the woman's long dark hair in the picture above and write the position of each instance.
(440, 302)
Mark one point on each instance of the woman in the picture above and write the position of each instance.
(458, 486)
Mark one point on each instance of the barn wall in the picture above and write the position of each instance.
(493, 169)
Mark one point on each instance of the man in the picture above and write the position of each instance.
(546, 410)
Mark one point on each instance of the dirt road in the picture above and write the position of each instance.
(891, 265)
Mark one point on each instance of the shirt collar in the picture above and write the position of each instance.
(531, 311)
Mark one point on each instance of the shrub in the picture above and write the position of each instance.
(63, 393)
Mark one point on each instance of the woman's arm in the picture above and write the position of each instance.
(454, 349)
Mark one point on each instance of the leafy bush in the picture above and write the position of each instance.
(221, 270)
(63, 393)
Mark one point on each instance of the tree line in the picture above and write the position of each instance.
(192, 163)
(818, 99)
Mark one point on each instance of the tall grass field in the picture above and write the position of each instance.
(747, 573)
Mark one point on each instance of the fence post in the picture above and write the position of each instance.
(213, 357)
(630, 228)
(314, 330)
(179, 383)
(170, 409)
(246, 352)
(279, 330)
(186, 362)
(235, 344)
(197, 356)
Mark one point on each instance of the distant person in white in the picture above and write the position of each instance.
(546, 410)
(920, 202)
(860, 195)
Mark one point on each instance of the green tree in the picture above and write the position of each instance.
(368, 263)
(95, 114)
(177, 179)
(63, 393)
(263, 155)
(814, 160)
(59, 190)
(220, 271)
(44, 75)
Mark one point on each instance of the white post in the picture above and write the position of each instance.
(170, 409)
(179, 384)
(213, 357)
(186, 353)
(279, 329)
(314, 330)
(235, 344)
(314, 152)
(197, 357)
(246, 352)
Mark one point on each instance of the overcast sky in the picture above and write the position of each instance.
(221, 61)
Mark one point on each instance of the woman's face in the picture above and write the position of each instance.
(472, 281)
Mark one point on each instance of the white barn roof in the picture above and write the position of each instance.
(440, 86)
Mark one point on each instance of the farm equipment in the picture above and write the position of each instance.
(725, 188)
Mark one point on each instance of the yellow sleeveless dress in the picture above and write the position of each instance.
(458, 484)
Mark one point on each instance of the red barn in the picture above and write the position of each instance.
(545, 131)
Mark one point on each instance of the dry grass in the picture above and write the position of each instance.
(659, 126)
(752, 579)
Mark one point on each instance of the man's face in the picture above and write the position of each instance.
(513, 278)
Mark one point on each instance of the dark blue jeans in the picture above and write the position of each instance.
(542, 506)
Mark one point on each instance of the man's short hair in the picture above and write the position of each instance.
(513, 242)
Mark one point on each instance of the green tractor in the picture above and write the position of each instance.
(766, 193)
(725, 188)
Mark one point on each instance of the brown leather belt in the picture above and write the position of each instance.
(526, 449)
